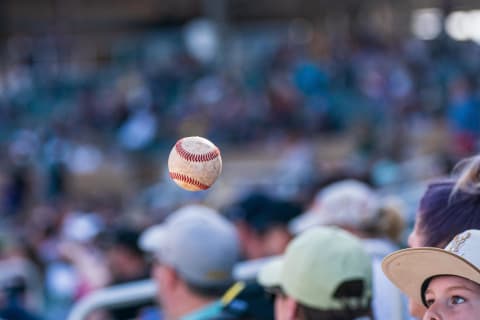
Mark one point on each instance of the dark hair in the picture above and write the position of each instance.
(388, 223)
(423, 289)
(261, 211)
(350, 291)
(450, 207)
(307, 313)
(123, 237)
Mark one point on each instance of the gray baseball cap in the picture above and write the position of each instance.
(198, 242)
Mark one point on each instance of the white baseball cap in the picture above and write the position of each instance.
(198, 242)
(409, 269)
(344, 203)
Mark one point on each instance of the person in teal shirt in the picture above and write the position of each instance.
(195, 251)
(208, 312)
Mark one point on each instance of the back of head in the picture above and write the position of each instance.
(450, 207)
(249, 208)
(390, 222)
(262, 223)
(261, 211)
(123, 237)
(199, 243)
(325, 269)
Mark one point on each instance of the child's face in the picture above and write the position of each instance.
(452, 298)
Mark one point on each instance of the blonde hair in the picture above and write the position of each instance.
(394, 224)
(467, 172)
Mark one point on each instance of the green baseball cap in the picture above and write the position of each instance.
(316, 264)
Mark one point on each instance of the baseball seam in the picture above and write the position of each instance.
(189, 180)
(192, 157)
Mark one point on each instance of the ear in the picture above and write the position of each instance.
(243, 231)
(291, 309)
(248, 239)
(166, 277)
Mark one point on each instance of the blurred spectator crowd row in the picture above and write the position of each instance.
(147, 91)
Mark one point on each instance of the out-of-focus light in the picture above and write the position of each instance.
(475, 25)
(464, 25)
(426, 23)
(85, 159)
(457, 25)
(202, 39)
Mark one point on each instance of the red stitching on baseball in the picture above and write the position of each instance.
(188, 180)
(193, 157)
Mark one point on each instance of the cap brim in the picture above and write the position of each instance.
(270, 274)
(152, 238)
(409, 268)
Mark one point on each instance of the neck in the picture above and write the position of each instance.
(185, 304)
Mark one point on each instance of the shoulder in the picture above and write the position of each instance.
(245, 301)
(208, 312)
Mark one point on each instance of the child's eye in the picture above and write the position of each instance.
(457, 300)
(430, 302)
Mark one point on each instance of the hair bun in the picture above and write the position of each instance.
(467, 172)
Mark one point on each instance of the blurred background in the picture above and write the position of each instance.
(93, 95)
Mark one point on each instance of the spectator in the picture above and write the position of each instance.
(125, 258)
(262, 224)
(447, 208)
(446, 282)
(195, 251)
(126, 263)
(356, 208)
(324, 274)
(13, 308)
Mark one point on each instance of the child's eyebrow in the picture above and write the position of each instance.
(453, 288)
(464, 287)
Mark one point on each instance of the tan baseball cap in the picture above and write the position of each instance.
(408, 269)
(316, 264)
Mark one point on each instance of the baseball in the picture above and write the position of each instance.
(194, 163)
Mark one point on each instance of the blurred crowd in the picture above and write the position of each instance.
(150, 90)
(65, 113)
